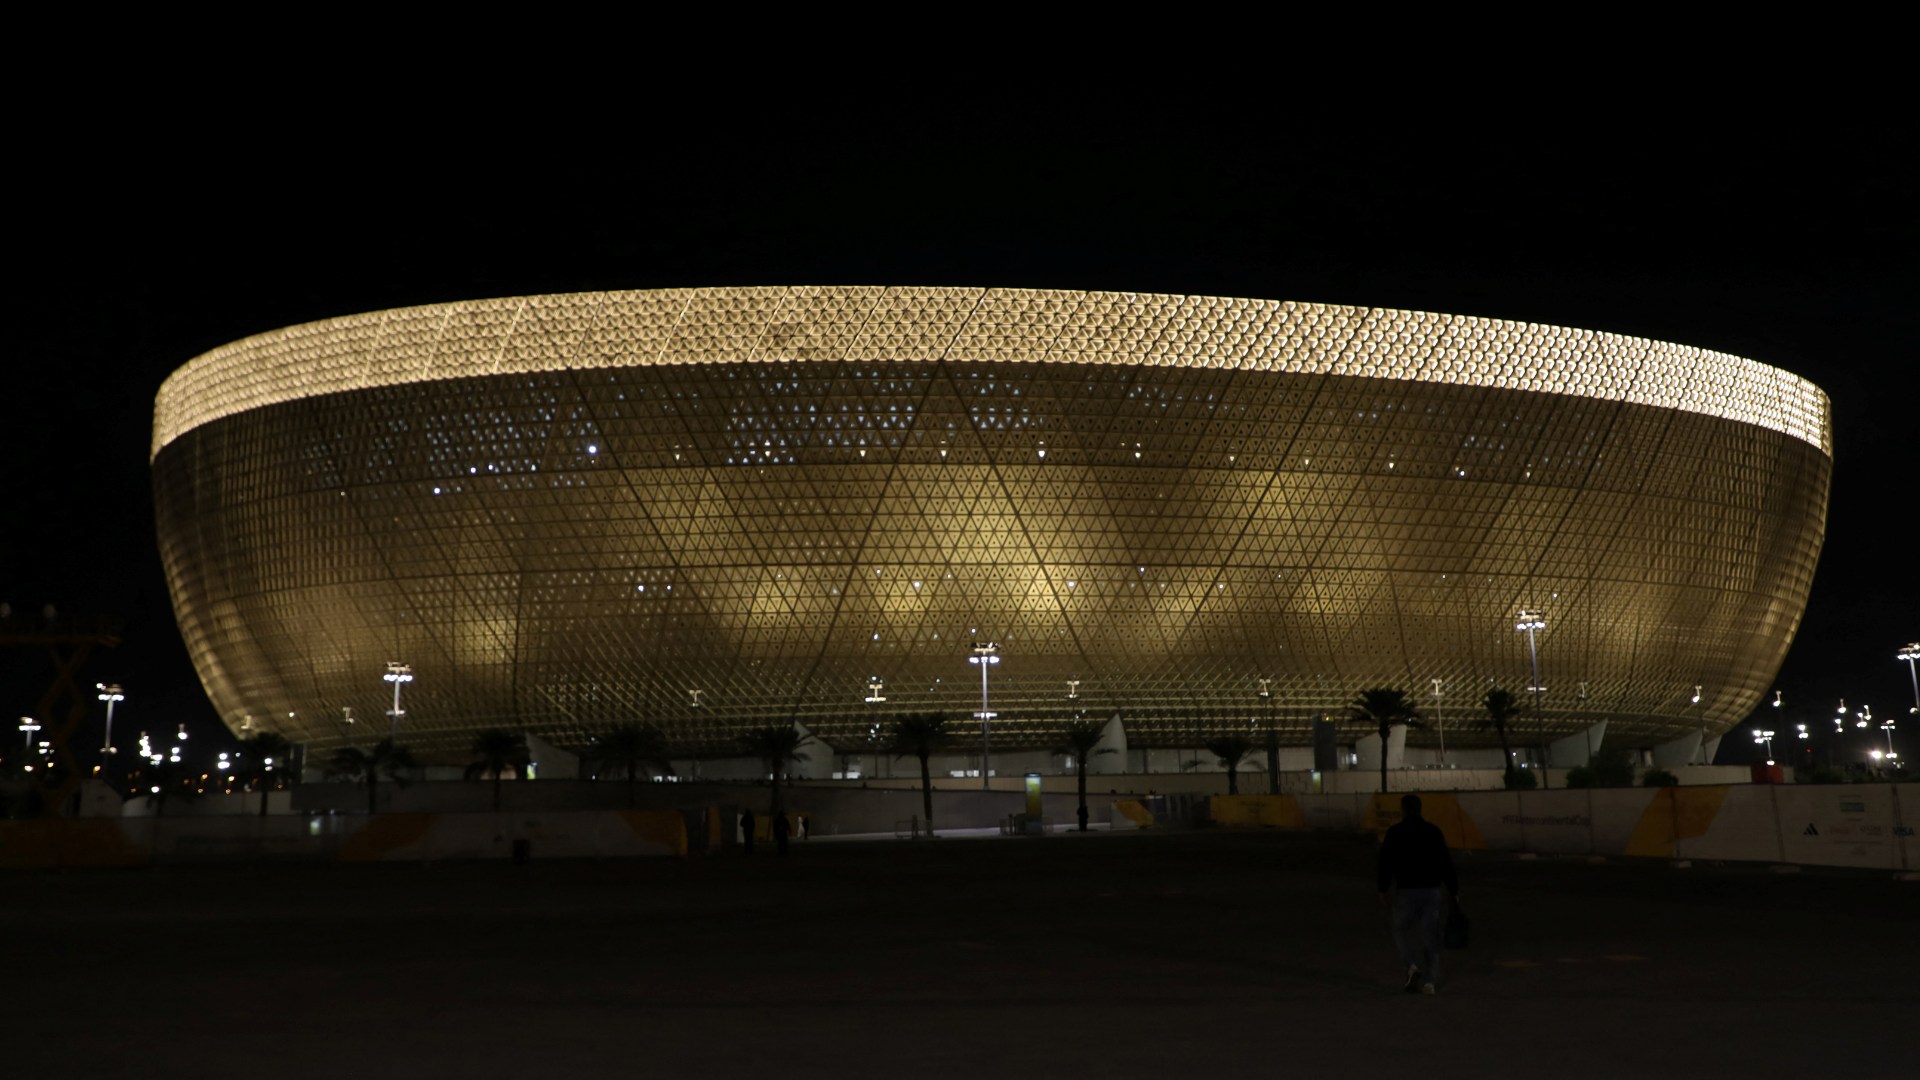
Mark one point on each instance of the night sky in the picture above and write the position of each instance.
(1784, 236)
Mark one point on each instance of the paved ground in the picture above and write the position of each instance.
(1133, 954)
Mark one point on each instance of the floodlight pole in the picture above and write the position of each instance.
(1530, 622)
(397, 673)
(984, 655)
(1911, 654)
(1440, 721)
(109, 693)
(1702, 717)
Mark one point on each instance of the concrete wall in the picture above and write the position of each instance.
(339, 837)
(1857, 825)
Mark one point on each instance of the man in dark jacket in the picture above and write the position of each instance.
(1417, 883)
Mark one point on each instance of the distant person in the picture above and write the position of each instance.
(746, 832)
(1417, 885)
(806, 828)
(780, 831)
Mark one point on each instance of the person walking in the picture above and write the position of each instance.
(746, 832)
(1417, 884)
(781, 830)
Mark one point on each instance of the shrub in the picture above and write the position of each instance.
(1660, 778)
(1611, 768)
(1521, 779)
(1581, 776)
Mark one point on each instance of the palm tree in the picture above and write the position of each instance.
(921, 735)
(1501, 709)
(1385, 707)
(777, 747)
(387, 758)
(266, 756)
(495, 752)
(629, 747)
(1231, 750)
(1083, 742)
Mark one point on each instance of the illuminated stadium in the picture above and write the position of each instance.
(720, 509)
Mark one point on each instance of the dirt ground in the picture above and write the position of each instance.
(1101, 955)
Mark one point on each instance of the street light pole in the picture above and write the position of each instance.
(984, 655)
(1911, 654)
(1440, 721)
(1272, 738)
(1702, 717)
(397, 673)
(1531, 622)
(28, 725)
(109, 693)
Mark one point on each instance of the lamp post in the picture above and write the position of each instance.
(397, 673)
(1694, 704)
(1272, 740)
(111, 694)
(1440, 721)
(985, 655)
(1766, 737)
(1911, 654)
(28, 725)
(1531, 622)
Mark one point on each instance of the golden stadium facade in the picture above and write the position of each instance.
(717, 509)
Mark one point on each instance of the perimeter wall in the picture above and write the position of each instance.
(1858, 825)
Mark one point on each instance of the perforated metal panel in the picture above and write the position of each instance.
(569, 511)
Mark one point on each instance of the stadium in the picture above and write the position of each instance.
(720, 509)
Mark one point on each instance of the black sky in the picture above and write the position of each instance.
(1781, 235)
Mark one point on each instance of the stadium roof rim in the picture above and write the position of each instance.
(535, 334)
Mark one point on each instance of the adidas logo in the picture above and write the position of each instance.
(1810, 830)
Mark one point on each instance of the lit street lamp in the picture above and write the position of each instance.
(109, 693)
(397, 673)
(1694, 704)
(1765, 736)
(1911, 654)
(984, 655)
(28, 725)
(1273, 738)
(1528, 623)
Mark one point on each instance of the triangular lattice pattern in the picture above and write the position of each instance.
(570, 511)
